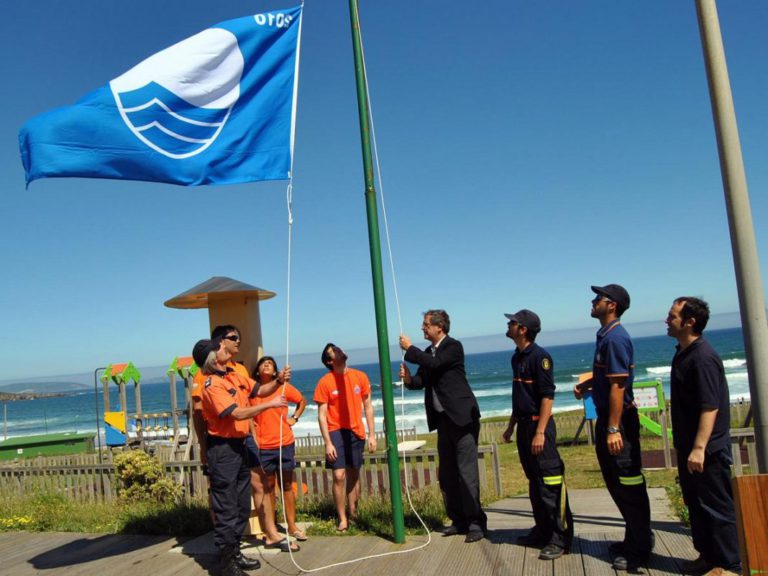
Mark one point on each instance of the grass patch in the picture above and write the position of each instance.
(374, 515)
(44, 511)
(49, 511)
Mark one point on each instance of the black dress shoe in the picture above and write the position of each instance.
(453, 530)
(628, 562)
(246, 562)
(698, 566)
(551, 552)
(474, 536)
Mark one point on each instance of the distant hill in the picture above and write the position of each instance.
(42, 387)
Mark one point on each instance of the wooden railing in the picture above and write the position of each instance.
(743, 444)
(81, 482)
(88, 481)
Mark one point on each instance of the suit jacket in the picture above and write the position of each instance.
(444, 375)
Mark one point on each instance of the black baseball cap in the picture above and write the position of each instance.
(526, 318)
(616, 293)
(203, 348)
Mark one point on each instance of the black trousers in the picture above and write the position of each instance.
(709, 498)
(624, 479)
(546, 484)
(458, 473)
(230, 489)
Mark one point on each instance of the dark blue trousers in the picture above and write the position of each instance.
(709, 498)
(230, 489)
(624, 479)
(546, 484)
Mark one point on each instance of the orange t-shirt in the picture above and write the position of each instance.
(221, 395)
(197, 383)
(344, 395)
(268, 422)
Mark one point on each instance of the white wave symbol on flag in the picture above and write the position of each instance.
(178, 100)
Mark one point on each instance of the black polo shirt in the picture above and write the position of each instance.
(532, 380)
(698, 383)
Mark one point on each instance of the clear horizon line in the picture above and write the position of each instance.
(472, 345)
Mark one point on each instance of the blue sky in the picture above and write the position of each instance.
(528, 150)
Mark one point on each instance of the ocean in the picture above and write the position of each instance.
(489, 375)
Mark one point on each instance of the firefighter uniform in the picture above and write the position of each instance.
(532, 381)
(227, 458)
(614, 357)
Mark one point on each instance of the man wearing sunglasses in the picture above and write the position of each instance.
(533, 393)
(229, 337)
(617, 433)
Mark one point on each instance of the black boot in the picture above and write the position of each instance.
(228, 563)
(246, 562)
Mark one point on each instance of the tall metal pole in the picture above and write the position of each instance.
(748, 280)
(378, 282)
(96, 403)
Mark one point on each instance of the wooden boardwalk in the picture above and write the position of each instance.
(596, 519)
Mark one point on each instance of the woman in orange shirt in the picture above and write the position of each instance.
(275, 442)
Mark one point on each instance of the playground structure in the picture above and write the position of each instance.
(123, 428)
(652, 410)
(116, 423)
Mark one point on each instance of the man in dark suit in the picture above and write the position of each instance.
(453, 411)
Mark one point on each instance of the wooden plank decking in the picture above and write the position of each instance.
(596, 520)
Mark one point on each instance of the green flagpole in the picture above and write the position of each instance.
(378, 282)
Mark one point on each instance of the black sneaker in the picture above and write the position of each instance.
(551, 552)
(620, 548)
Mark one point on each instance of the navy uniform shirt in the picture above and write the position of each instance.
(698, 383)
(532, 380)
(614, 357)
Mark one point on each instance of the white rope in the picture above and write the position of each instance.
(396, 294)
(289, 538)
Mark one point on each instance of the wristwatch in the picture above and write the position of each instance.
(295, 417)
(613, 430)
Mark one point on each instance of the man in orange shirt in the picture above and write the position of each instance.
(230, 337)
(342, 396)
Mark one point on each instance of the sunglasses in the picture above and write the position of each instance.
(233, 338)
(597, 299)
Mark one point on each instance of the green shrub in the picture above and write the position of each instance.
(142, 478)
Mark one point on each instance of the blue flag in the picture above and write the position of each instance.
(216, 108)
